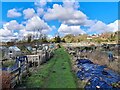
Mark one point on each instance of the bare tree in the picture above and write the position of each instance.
(29, 38)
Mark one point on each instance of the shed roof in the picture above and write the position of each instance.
(14, 48)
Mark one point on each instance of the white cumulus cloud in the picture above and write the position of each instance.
(71, 4)
(5, 33)
(36, 23)
(101, 27)
(13, 25)
(41, 3)
(13, 13)
(28, 13)
(67, 15)
(114, 26)
(65, 29)
(40, 11)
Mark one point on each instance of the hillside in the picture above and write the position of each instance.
(99, 38)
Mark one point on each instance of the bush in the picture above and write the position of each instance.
(58, 46)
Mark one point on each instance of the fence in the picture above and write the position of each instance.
(16, 72)
(21, 67)
(39, 58)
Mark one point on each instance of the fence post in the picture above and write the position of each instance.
(27, 67)
(20, 76)
(38, 60)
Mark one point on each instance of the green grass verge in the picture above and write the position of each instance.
(56, 73)
(61, 75)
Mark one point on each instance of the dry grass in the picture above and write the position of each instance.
(101, 58)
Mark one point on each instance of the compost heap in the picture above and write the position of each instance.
(97, 75)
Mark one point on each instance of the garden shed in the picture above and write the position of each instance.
(13, 51)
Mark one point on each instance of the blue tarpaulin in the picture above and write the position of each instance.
(83, 61)
(96, 75)
(15, 66)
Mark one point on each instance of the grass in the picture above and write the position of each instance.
(8, 63)
(56, 73)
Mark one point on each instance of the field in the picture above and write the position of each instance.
(56, 73)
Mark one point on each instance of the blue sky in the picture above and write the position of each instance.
(99, 13)
(104, 11)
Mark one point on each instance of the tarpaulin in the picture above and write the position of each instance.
(96, 74)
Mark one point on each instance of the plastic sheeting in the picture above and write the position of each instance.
(83, 61)
(51, 46)
(29, 48)
(96, 75)
(14, 48)
(95, 83)
(15, 66)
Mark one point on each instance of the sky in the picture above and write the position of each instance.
(20, 19)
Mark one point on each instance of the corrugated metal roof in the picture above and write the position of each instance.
(14, 48)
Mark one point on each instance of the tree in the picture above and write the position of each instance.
(69, 38)
(63, 40)
(29, 38)
(44, 39)
(57, 39)
(10, 43)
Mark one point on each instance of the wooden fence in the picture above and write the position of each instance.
(23, 67)
(15, 74)
(39, 58)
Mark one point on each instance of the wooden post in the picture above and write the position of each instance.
(8, 69)
(32, 60)
(20, 74)
(27, 67)
(38, 61)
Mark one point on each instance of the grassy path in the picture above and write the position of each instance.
(56, 73)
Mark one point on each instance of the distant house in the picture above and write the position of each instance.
(92, 36)
(89, 37)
